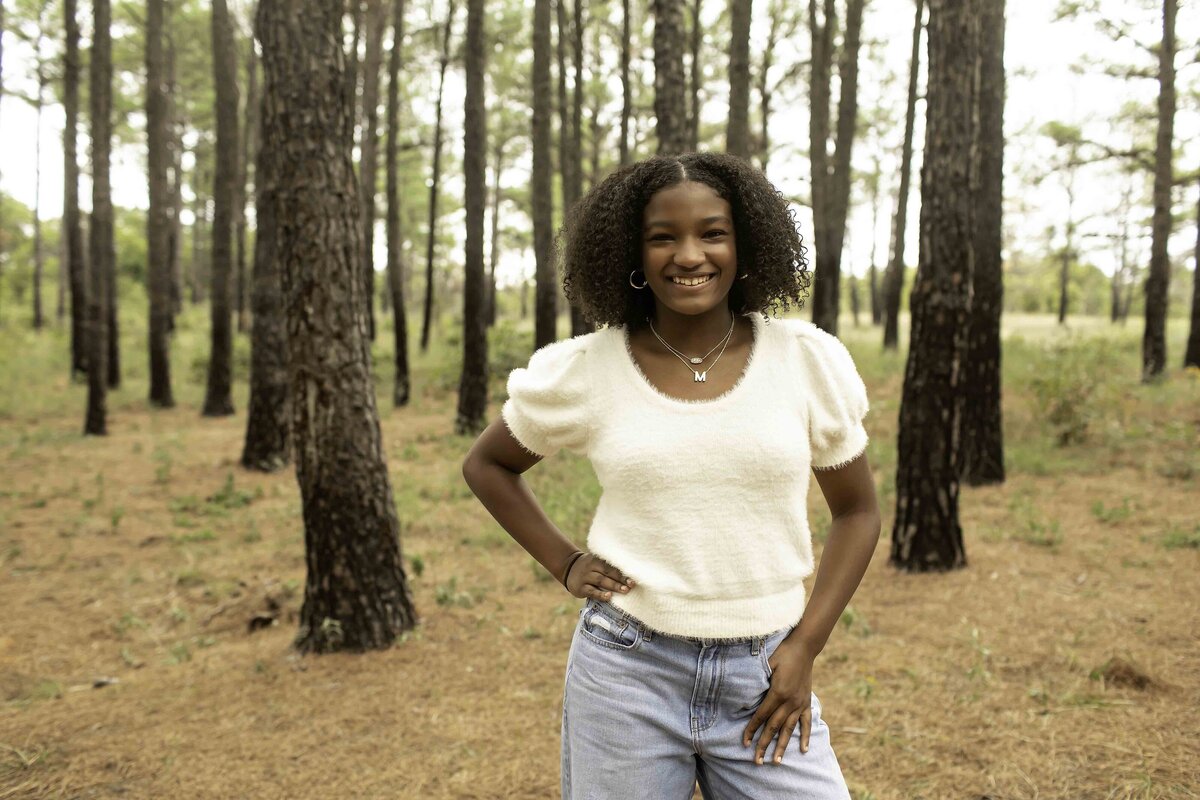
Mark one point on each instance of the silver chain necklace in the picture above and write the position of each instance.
(699, 377)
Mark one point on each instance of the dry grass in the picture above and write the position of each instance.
(1062, 663)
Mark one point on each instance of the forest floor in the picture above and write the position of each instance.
(1062, 662)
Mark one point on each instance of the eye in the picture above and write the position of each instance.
(715, 233)
(659, 237)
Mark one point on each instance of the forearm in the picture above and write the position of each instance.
(508, 498)
(848, 550)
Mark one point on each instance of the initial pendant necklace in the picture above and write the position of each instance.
(697, 376)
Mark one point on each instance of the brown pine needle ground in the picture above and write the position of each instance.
(1062, 663)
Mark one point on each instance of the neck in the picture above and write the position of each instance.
(692, 331)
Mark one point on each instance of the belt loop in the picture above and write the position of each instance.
(755, 644)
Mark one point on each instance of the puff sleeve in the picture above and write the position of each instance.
(548, 401)
(836, 396)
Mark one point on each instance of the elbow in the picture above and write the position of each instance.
(471, 469)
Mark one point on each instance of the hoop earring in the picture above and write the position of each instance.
(634, 285)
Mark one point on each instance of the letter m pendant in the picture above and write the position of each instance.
(700, 377)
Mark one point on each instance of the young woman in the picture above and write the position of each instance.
(702, 418)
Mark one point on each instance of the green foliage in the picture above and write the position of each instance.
(1069, 390)
(1177, 537)
(1114, 514)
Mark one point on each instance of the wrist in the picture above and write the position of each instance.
(570, 562)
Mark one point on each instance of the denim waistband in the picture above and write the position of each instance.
(649, 632)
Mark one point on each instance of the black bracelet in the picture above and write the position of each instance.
(574, 557)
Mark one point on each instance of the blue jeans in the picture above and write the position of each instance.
(647, 715)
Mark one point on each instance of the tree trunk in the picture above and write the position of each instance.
(38, 262)
(356, 595)
(72, 232)
(218, 398)
(927, 534)
(626, 84)
(1064, 281)
(437, 176)
(1121, 274)
(566, 162)
(472, 390)
(268, 444)
(876, 179)
(100, 228)
(670, 104)
(546, 301)
(114, 337)
(176, 139)
(854, 299)
(1191, 357)
(697, 76)
(1, 85)
(831, 187)
(579, 325)
(246, 157)
(356, 27)
(494, 250)
(737, 134)
(198, 269)
(893, 279)
(982, 437)
(157, 221)
(400, 385)
(597, 132)
(1154, 342)
(369, 164)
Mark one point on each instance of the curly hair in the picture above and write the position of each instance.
(602, 238)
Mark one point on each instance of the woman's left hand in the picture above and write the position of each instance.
(788, 701)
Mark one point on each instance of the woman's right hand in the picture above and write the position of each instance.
(592, 576)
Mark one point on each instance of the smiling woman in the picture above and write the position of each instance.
(703, 421)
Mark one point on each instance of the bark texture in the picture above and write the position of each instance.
(982, 437)
(245, 159)
(356, 595)
(1154, 341)
(546, 301)
(157, 220)
(1191, 356)
(695, 84)
(369, 165)
(102, 256)
(626, 85)
(443, 63)
(472, 390)
(927, 535)
(737, 134)
(893, 278)
(72, 233)
(218, 397)
(268, 444)
(670, 92)
(395, 239)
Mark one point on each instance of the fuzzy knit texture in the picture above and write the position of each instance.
(704, 502)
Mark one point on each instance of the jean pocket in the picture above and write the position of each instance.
(616, 633)
(768, 649)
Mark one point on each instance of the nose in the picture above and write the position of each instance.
(689, 253)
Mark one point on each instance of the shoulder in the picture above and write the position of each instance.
(821, 355)
(571, 354)
(812, 343)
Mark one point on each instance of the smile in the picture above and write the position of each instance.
(697, 281)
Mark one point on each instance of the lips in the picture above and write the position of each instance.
(690, 285)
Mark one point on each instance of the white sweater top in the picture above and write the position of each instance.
(704, 502)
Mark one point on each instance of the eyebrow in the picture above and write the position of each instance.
(659, 223)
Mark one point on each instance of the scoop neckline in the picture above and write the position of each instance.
(640, 378)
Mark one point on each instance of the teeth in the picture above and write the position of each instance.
(692, 281)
